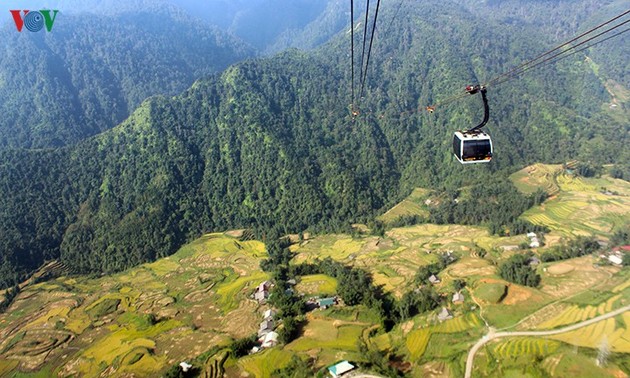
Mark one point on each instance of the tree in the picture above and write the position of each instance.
(291, 329)
(517, 270)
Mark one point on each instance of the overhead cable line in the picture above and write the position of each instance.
(558, 47)
(563, 54)
(365, 29)
(367, 63)
(391, 23)
(536, 62)
(353, 110)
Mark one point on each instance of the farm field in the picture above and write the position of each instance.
(577, 206)
(535, 357)
(412, 205)
(393, 260)
(317, 284)
(137, 322)
(143, 321)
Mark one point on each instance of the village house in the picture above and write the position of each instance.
(533, 240)
(185, 366)
(266, 326)
(269, 314)
(615, 256)
(458, 297)
(534, 261)
(324, 303)
(264, 286)
(338, 370)
(445, 314)
(262, 291)
(434, 279)
(261, 296)
(450, 257)
(269, 340)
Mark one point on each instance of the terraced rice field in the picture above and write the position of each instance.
(458, 324)
(516, 347)
(606, 331)
(394, 260)
(578, 206)
(328, 334)
(317, 284)
(82, 326)
(121, 344)
(417, 340)
(261, 365)
(576, 314)
(530, 179)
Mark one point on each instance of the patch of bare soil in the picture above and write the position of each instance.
(560, 269)
(407, 327)
(472, 267)
(516, 294)
(435, 370)
(234, 233)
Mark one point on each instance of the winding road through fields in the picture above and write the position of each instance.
(491, 335)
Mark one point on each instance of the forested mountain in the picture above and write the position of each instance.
(90, 72)
(269, 143)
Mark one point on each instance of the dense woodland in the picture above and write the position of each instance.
(269, 144)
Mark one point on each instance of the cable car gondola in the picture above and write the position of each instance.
(474, 146)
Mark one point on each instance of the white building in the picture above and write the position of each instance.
(340, 369)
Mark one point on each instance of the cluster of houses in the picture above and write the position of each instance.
(445, 313)
(533, 240)
(267, 337)
(458, 298)
(615, 256)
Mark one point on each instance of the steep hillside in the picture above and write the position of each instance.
(269, 144)
(90, 72)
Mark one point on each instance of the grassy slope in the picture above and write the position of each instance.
(412, 205)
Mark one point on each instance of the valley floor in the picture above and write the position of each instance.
(147, 319)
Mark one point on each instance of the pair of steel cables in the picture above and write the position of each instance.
(588, 39)
(365, 61)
